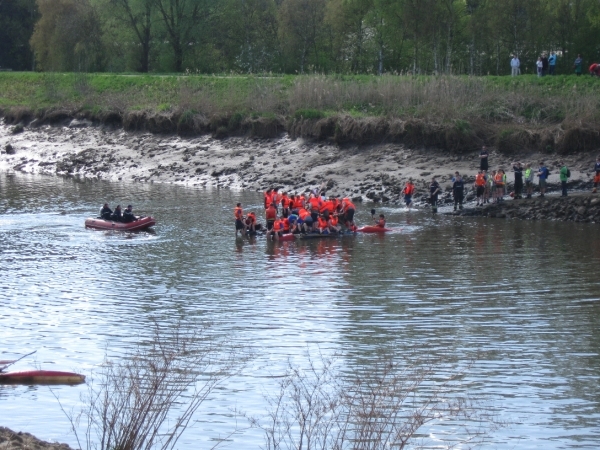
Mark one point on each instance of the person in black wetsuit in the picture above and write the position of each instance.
(518, 169)
(128, 215)
(458, 191)
(434, 190)
(105, 212)
(117, 216)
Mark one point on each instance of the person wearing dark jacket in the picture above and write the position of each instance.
(458, 191)
(128, 215)
(117, 216)
(105, 212)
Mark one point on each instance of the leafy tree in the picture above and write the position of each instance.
(67, 37)
(17, 18)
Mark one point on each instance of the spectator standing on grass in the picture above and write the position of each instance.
(518, 169)
(578, 64)
(565, 173)
(552, 63)
(528, 180)
(544, 64)
(540, 66)
(483, 158)
(515, 66)
(542, 174)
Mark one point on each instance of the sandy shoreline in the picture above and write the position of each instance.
(376, 172)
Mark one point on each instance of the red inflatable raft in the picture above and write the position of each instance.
(41, 377)
(373, 229)
(100, 224)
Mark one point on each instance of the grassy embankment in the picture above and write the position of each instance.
(551, 114)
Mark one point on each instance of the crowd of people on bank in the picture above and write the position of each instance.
(546, 65)
(117, 215)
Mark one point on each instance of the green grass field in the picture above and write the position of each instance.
(440, 99)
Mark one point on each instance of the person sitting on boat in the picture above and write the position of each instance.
(128, 216)
(105, 212)
(380, 222)
(117, 216)
(293, 223)
(323, 224)
(277, 230)
(333, 224)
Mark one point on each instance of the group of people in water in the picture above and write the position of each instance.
(301, 214)
(117, 215)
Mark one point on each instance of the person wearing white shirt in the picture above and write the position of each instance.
(515, 66)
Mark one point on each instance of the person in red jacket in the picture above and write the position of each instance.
(238, 215)
(271, 216)
(408, 191)
(595, 70)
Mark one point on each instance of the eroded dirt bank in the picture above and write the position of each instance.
(374, 172)
(12, 440)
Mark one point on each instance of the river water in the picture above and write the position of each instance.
(520, 300)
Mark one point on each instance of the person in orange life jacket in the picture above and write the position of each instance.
(499, 185)
(348, 210)
(250, 223)
(408, 192)
(270, 216)
(315, 207)
(479, 187)
(276, 198)
(327, 206)
(238, 215)
(323, 225)
(380, 222)
(286, 225)
(298, 203)
(277, 230)
(268, 197)
(305, 222)
(285, 205)
(333, 224)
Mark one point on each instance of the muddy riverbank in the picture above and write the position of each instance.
(365, 173)
(13, 440)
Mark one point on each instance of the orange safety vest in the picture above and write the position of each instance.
(333, 221)
(409, 189)
(303, 214)
(237, 213)
(479, 180)
(271, 213)
(299, 202)
(381, 223)
(250, 218)
(498, 179)
(278, 225)
(322, 222)
(286, 225)
(315, 203)
(347, 204)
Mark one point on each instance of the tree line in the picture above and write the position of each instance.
(475, 37)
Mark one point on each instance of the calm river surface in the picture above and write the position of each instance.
(520, 299)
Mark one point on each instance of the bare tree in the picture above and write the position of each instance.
(130, 403)
(385, 407)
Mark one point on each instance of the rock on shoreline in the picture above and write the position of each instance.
(12, 440)
(577, 207)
